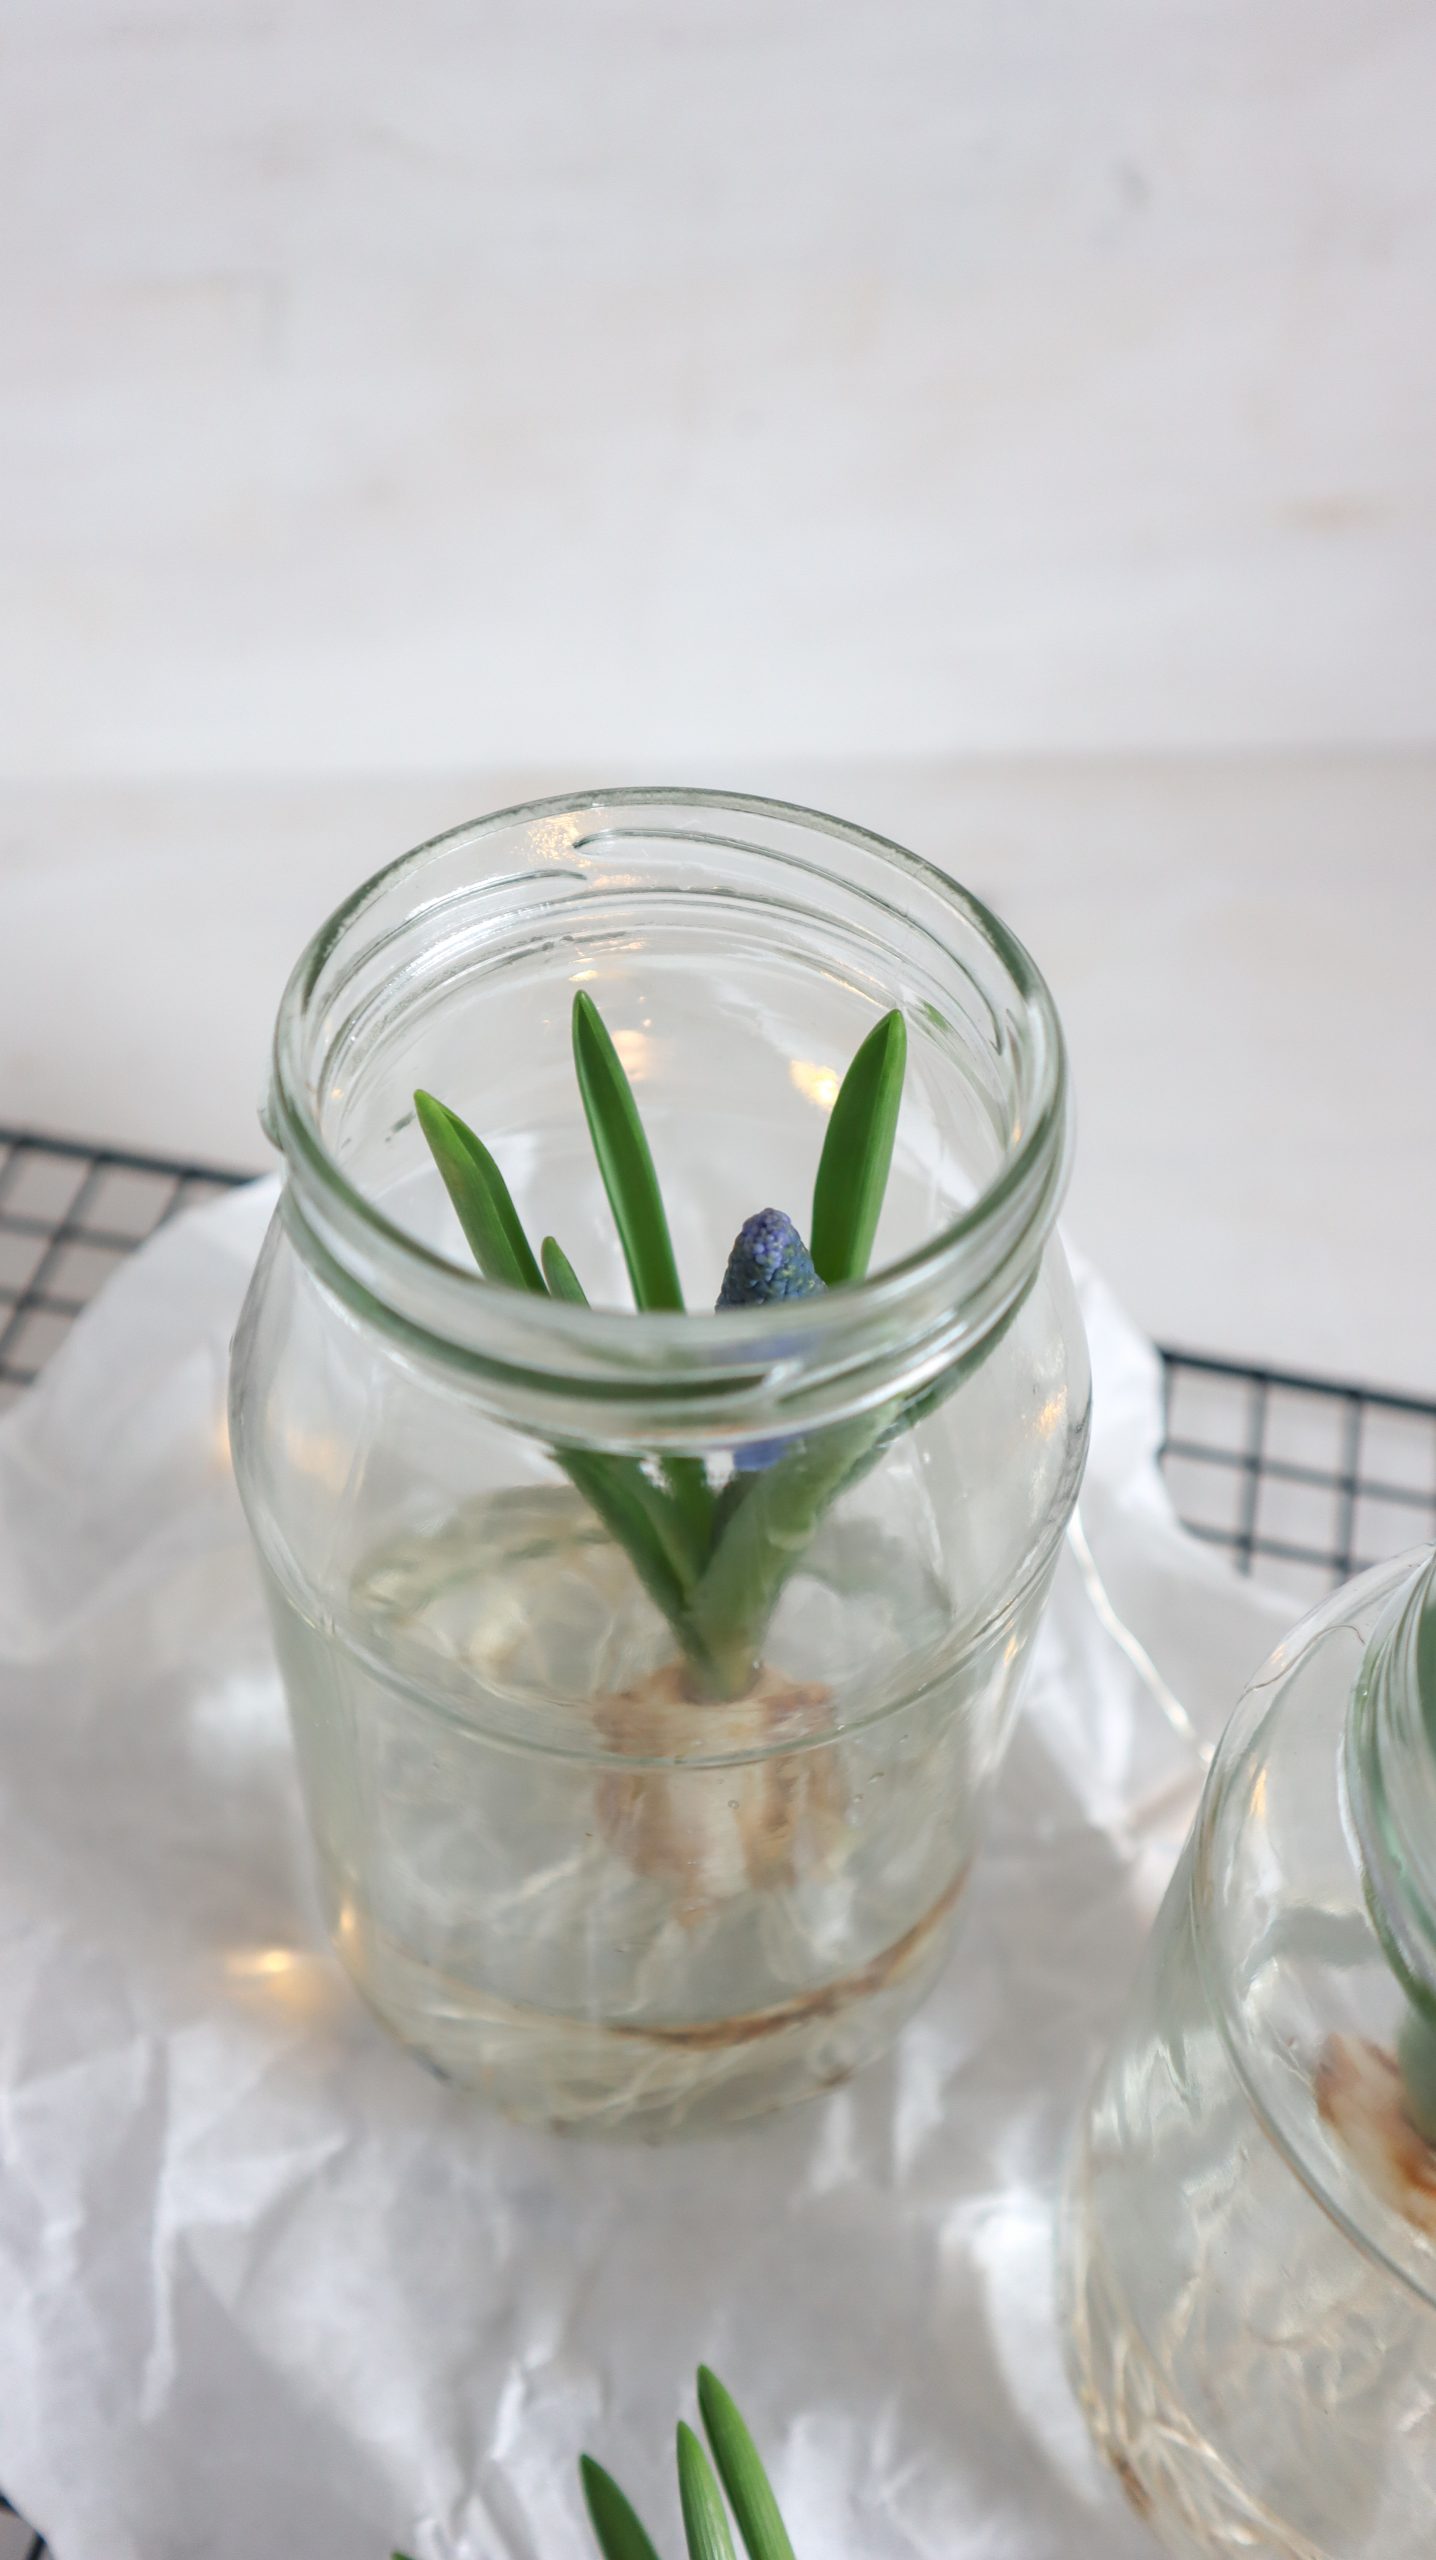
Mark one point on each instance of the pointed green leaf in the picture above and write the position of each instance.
(857, 1153)
(481, 1198)
(619, 2534)
(704, 2520)
(624, 1160)
(558, 1271)
(629, 1179)
(765, 2536)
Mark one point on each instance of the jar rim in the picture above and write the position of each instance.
(946, 1294)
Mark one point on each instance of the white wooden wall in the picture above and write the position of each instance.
(1010, 421)
(667, 383)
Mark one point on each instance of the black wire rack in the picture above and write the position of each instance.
(1306, 1479)
(17, 2542)
(69, 1214)
(1309, 1478)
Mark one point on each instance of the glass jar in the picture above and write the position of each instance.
(1250, 2241)
(611, 1871)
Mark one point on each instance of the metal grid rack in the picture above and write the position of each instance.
(1310, 1479)
(1307, 1478)
(68, 1215)
(17, 2542)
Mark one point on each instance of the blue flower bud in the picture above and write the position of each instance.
(769, 1260)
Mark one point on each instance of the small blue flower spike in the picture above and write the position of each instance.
(769, 1260)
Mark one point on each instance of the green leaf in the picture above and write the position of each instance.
(645, 1522)
(763, 1541)
(481, 1198)
(624, 1160)
(765, 2536)
(626, 1165)
(764, 1538)
(687, 1538)
(704, 2520)
(693, 1499)
(619, 2534)
(664, 1541)
(558, 1271)
(857, 1153)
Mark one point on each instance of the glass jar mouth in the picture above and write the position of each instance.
(911, 1317)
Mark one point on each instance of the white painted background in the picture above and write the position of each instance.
(1015, 424)
(490, 379)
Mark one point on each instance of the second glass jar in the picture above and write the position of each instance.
(1250, 2252)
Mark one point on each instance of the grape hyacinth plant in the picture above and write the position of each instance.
(713, 1558)
(707, 2532)
(653, 1603)
(706, 2529)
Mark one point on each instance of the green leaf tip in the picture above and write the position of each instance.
(563, 1281)
(765, 2536)
(704, 2519)
(482, 1200)
(857, 1154)
(617, 2531)
(624, 1160)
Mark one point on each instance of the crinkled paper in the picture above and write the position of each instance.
(266, 2287)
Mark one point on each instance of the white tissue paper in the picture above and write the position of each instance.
(267, 2287)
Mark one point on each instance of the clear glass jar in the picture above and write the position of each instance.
(571, 1870)
(1250, 2237)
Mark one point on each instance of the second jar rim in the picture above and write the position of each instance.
(605, 1371)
